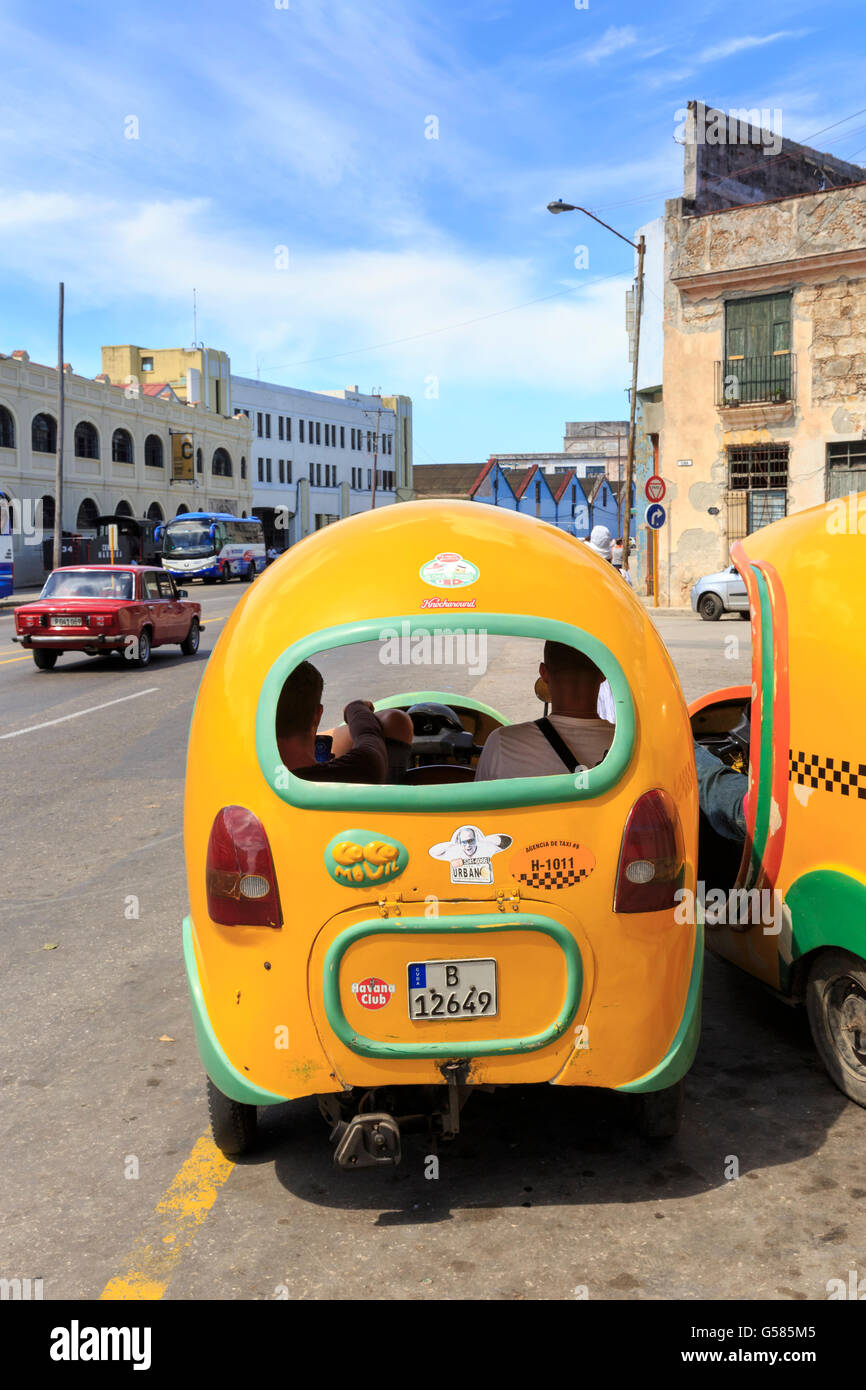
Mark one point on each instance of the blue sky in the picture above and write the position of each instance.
(418, 265)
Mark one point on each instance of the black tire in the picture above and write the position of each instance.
(251, 572)
(233, 1125)
(658, 1113)
(745, 615)
(189, 645)
(710, 607)
(142, 659)
(45, 661)
(836, 1005)
(225, 574)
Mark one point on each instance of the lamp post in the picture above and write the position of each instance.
(640, 247)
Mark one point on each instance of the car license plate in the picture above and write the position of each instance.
(452, 989)
(69, 620)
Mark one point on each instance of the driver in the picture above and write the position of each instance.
(530, 750)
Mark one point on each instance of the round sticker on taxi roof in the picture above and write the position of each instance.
(448, 570)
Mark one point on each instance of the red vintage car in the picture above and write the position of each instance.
(100, 609)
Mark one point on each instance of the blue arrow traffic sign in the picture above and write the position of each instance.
(655, 516)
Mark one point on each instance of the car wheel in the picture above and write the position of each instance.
(836, 1005)
(189, 645)
(142, 658)
(233, 1124)
(45, 661)
(225, 574)
(251, 572)
(658, 1113)
(710, 607)
(745, 615)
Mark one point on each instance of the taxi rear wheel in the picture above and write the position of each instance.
(45, 661)
(189, 645)
(232, 1123)
(836, 1005)
(658, 1113)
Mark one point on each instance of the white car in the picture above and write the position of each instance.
(720, 593)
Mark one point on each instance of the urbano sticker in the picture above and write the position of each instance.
(361, 858)
(552, 864)
(373, 993)
(448, 570)
(469, 853)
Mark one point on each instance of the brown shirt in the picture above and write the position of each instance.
(366, 760)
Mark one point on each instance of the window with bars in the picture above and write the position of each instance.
(753, 466)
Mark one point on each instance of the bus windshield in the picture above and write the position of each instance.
(188, 537)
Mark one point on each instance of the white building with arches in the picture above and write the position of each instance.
(117, 455)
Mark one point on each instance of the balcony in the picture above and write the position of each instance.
(770, 380)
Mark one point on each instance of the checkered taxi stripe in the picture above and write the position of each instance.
(811, 770)
(553, 878)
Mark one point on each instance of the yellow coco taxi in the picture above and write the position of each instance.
(795, 897)
(437, 931)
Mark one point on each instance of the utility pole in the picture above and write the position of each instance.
(629, 463)
(375, 457)
(58, 472)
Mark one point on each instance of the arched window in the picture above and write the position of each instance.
(43, 434)
(155, 512)
(243, 467)
(154, 456)
(121, 447)
(199, 461)
(221, 465)
(123, 509)
(181, 509)
(47, 515)
(87, 514)
(7, 429)
(86, 441)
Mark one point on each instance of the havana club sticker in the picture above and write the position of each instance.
(373, 993)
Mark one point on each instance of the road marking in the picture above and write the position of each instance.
(10, 659)
(177, 1216)
(31, 729)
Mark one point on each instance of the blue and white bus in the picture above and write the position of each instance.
(213, 546)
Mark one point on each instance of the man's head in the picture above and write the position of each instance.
(299, 707)
(600, 542)
(572, 679)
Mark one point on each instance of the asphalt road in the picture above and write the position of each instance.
(110, 1184)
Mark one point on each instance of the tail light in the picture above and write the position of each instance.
(652, 856)
(28, 620)
(101, 620)
(241, 883)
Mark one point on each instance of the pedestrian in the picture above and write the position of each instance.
(616, 553)
(600, 542)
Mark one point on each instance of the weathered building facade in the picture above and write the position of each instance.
(764, 362)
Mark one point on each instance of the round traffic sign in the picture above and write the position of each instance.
(655, 488)
(655, 516)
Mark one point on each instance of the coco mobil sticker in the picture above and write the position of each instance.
(363, 858)
(448, 570)
(469, 853)
(552, 864)
(373, 993)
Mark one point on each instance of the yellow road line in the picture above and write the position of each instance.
(177, 1216)
(10, 659)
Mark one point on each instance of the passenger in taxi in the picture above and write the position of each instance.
(571, 736)
(362, 748)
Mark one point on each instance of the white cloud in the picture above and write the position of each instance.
(732, 46)
(613, 40)
(447, 302)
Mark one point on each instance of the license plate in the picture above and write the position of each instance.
(59, 620)
(452, 989)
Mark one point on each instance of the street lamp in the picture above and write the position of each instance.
(639, 246)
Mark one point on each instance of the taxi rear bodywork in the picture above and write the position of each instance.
(374, 882)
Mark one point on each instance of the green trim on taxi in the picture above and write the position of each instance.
(472, 924)
(471, 796)
(681, 1053)
(222, 1073)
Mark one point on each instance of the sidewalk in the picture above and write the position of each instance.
(21, 596)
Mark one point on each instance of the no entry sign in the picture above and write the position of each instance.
(655, 488)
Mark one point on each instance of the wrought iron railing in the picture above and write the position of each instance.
(767, 380)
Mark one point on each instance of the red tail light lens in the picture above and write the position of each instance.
(241, 883)
(652, 857)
